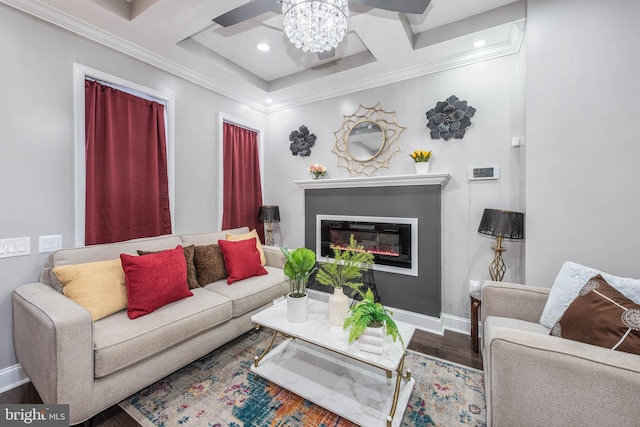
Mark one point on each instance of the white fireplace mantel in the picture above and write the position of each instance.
(376, 181)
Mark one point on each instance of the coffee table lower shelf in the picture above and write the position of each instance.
(354, 390)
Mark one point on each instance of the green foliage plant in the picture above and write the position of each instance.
(347, 267)
(370, 313)
(299, 266)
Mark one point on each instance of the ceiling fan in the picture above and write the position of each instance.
(258, 7)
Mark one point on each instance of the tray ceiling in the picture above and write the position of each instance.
(381, 47)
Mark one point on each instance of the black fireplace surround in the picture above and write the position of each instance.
(419, 294)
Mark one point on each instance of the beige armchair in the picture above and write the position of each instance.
(534, 379)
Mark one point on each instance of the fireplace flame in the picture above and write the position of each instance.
(372, 251)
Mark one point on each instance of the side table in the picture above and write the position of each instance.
(476, 300)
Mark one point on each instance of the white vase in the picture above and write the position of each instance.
(297, 309)
(422, 168)
(338, 307)
(372, 340)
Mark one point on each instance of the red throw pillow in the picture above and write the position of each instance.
(242, 259)
(154, 280)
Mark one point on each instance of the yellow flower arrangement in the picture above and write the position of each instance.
(420, 156)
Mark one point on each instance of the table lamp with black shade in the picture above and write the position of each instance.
(269, 214)
(502, 225)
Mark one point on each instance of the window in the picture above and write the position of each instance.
(241, 178)
(135, 93)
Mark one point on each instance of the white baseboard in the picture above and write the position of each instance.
(12, 377)
(420, 321)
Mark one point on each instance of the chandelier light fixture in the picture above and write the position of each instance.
(315, 25)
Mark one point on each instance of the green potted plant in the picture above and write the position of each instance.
(344, 271)
(369, 322)
(299, 266)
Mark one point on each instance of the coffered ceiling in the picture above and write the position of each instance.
(380, 47)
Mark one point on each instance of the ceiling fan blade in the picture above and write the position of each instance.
(326, 54)
(245, 12)
(403, 6)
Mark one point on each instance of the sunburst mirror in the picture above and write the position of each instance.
(367, 140)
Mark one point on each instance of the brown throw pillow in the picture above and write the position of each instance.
(189, 251)
(209, 263)
(602, 316)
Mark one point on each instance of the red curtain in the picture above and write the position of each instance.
(127, 194)
(242, 189)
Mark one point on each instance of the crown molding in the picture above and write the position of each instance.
(509, 47)
(302, 96)
(91, 32)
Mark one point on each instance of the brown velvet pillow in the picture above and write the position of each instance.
(209, 263)
(189, 251)
(602, 316)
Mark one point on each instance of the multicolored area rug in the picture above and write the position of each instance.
(219, 390)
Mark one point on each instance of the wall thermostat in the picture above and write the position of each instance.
(487, 172)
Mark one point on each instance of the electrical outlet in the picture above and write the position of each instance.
(474, 285)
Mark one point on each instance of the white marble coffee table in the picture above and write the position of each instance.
(318, 363)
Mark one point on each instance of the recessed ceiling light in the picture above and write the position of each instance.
(268, 100)
(263, 47)
(479, 43)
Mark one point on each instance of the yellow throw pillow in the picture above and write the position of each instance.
(249, 235)
(97, 286)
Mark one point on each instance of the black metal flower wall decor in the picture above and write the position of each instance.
(301, 141)
(450, 118)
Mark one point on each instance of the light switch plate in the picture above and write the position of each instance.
(15, 247)
(483, 173)
(48, 244)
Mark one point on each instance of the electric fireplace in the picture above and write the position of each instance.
(393, 241)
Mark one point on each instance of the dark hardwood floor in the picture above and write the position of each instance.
(451, 346)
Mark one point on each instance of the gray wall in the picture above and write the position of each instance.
(495, 88)
(582, 147)
(420, 294)
(36, 148)
(583, 143)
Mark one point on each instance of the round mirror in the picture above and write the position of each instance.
(365, 141)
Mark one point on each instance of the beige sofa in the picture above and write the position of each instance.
(94, 365)
(534, 379)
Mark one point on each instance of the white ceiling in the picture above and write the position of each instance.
(381, 47)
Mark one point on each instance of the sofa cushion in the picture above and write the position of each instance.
(568, 283)
(601, 316)
(97, 286)
(209, 264)
(210, 238)
(154, 280)
(120, 342)
(492, 326)
(189, 253)
(247, 236)
(253, 292)
(106, 252)
(241, 259)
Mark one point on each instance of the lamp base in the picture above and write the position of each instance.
(269, 237)
(497, 267)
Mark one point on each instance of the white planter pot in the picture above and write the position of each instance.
(338, 307)
(422, 168)
(297, 309)
(372, 340)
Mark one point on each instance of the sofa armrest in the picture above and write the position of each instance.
(53, 340)
(551, 381)
(512, 300)
(274, 256)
